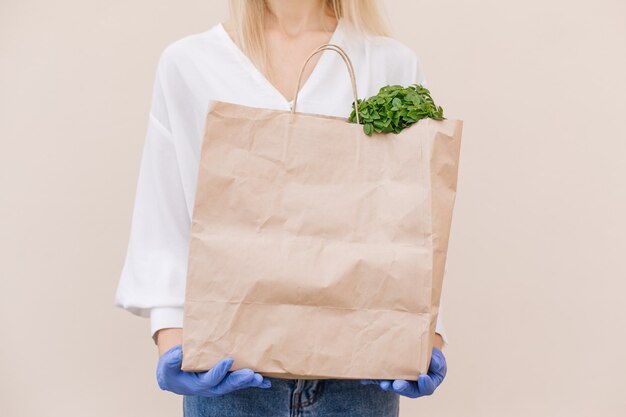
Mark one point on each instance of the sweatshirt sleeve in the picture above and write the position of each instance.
(152, 280)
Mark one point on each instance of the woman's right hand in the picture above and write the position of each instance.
(214, 382)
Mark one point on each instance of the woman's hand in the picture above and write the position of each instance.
(168, 338)
(214, 382)
(425, 385)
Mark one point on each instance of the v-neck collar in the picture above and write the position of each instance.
(321, 64)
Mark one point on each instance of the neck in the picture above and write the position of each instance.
(293, 17)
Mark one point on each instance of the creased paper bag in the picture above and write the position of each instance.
(318, 251)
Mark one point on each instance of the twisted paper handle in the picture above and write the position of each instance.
(346, 59)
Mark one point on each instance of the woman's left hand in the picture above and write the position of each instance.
(426, 384)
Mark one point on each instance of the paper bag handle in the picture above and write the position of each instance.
(346, 59)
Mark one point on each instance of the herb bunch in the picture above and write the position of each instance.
(394, 108)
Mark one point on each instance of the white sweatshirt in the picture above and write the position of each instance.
(191, 72)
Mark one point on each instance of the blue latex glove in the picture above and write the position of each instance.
(425, 384)
(214, 382)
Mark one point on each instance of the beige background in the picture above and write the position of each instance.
(537, 274)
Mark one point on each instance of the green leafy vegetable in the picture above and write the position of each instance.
(394, 108)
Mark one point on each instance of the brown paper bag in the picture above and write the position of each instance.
(317, 251)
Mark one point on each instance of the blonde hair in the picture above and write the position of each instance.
(249, 17)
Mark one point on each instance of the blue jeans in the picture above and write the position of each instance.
(299, 398)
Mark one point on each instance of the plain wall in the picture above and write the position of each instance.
(536, 265)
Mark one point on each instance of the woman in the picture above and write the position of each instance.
(253, 59)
